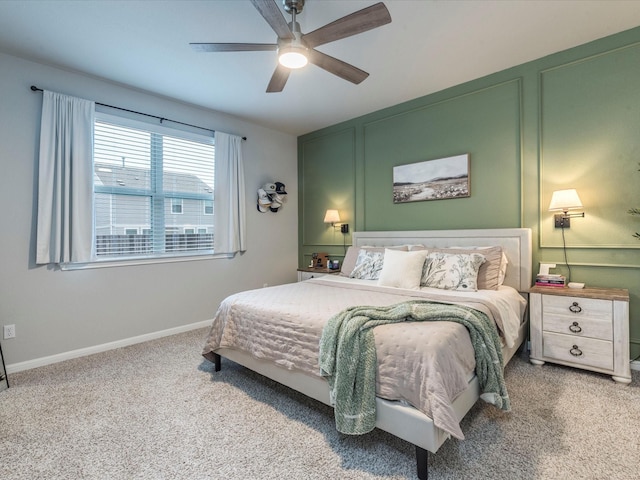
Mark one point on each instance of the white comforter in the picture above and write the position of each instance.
(427, 364)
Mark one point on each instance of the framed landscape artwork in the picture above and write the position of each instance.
(432, 180)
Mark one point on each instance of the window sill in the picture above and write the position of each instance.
(126, 262)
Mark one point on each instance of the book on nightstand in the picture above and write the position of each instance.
(551, 280)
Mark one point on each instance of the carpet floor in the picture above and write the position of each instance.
(157, 410)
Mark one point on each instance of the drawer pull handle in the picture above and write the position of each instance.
(575, 308)
(575, 351)
(575, 328)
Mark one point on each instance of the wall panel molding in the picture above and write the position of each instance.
(516, 80)
(594, 265)
(486, 122)
(588, 141)
(326, 179)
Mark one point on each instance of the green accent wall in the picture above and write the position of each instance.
(569, 120)
(484, 123)
(328, 165)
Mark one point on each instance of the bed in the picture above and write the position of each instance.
(289, 320)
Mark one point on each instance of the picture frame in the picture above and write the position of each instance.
(437, 179)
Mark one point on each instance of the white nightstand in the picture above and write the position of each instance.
(584, 328)
(307, 273)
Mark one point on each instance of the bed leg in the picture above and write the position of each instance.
(422, 456)
(217, 361)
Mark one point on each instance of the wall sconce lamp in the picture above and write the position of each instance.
(565, 200)
(333, 217)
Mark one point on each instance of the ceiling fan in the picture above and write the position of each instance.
(296, 49)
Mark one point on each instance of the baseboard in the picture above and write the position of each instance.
(60, 357)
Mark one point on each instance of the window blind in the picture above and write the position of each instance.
(153, 190)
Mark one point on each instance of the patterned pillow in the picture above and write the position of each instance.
(489, 271)
(351, 257)
(450, 271)
(368, 265)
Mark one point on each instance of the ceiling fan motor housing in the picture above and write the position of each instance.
(293, 5)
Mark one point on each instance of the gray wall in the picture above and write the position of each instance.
(59, 311)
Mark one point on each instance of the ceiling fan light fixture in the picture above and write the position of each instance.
(292, 57)
(293, 54)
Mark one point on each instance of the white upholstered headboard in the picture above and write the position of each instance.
(515, 242)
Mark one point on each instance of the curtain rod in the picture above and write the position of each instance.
(162, 119)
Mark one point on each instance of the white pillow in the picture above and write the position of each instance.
(452, 271)
(402, 269)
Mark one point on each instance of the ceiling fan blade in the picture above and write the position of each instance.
(233, 47)
(357, 22)
(337, 67)
(278, 79)
(272, 14)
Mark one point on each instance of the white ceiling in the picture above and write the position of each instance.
(429, 45)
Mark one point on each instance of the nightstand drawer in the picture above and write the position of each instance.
(601, 329)
(582, 351)
(577, 307)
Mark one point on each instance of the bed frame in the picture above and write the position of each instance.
(400, 420)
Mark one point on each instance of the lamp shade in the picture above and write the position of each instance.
(332, 216)
(564, 200)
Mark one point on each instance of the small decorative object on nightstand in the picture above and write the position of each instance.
(307, 273)
(585, 328)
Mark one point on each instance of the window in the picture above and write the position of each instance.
(157, 179)
(176, 205)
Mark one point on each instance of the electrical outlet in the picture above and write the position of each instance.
(9, 331)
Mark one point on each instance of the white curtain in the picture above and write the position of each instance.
(65, 181)
(229, 195)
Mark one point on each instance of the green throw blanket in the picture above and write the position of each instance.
(348, 356)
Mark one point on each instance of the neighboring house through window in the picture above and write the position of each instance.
(176, 205)
(150, 184)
